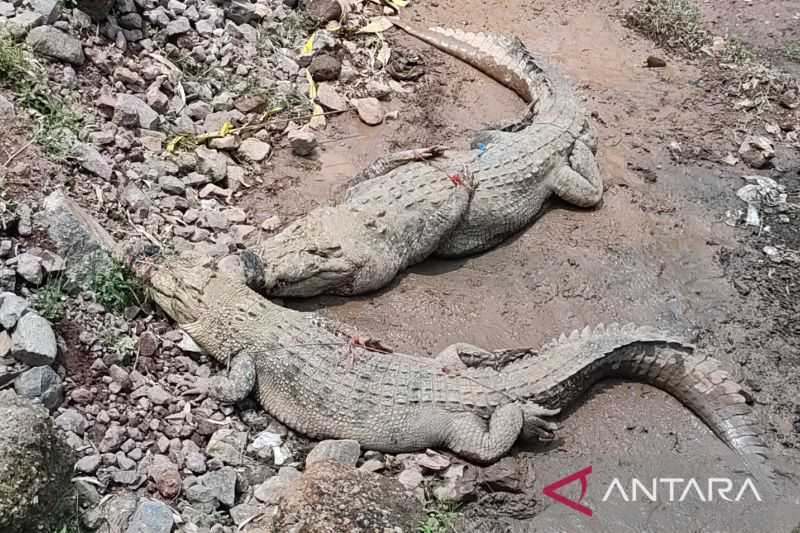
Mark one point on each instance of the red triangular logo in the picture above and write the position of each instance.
(550, 490)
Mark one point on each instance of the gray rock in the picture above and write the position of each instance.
(166, 476)
(158, 395)
(196, 462)
(125, 477)
(35, 486)
(271, 490)
(303, 141)
(5, 345)
(30, 268)
(254, 150)
(179, 26)
(7, 10)
(50, 10)
(92, 160)
(41, 383)
(24, 22)
(757, 151)
(172, 185)
(72, 420)
(151, 516)
(345, 452)
(77, 236)
(113, 439)
(217, 487)
(97, 9)
(56, 44)
(324, 10)
(227, 445)
(6, 107)
(329, 98)
(212, 163)
(11, 309)
(213, 122)
(33, 341)
(132, 112)
(88, 464)
(241, 11)
(369, 110)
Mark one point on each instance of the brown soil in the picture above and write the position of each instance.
(656, 252)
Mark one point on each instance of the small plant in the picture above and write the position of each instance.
(792, 50)
(49, 299)
(439, 520)
(674, 24)
(113, 285)
(122, 345)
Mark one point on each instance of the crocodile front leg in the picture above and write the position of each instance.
(463, 355)
(579, 182)
(390, 162)
(239, 382)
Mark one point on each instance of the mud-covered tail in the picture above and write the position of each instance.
(570, 365)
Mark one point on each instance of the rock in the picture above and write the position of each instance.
(509, 474)
(271, 490)
(151, 516)
(250, 103)
(29, 267)
(11, 309)
(24, 22)
(88, 464)
(212, 163)
(133, 112)
(5, 345)
(345, 452)
(7, 10)
(56, 44)
(213, 122)
(325, 67)
(334, 497)
(329, 98)
(77, 236)
(227, 445)
(369, 110)
(97, 9)
(196, 462)
(241, 11)
(114, 437)
(378, 89)
(179, 26)
(35, 486)
(410, 478)
(148, 344)
(757, 151)
(303, 141)
(92, 161)
(33, 341)
(324, 10)
(165, 475)
(40, 383)
(655, 62)
(172, 185)
(72, 420)
(218, 487)
(254, 150)
(158, 395)
(432, 461)
(6, 108)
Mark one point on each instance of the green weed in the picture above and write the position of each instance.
(114, 286)
(49, 299)
(439, 520)
(673, 24)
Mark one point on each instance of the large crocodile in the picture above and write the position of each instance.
(473, 402)
(405, 207)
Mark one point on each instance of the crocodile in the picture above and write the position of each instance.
(473, 402)
(407, 206)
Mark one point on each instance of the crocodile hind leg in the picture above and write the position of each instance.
(475, 439)
(241, 379)
(579, 182)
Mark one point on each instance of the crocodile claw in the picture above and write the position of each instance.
(534, 426)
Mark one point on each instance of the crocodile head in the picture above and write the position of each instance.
(181, 289)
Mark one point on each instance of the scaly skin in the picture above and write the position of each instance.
(399, 210)
(473, 402)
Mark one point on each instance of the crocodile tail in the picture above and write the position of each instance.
(502, 58)
(568, 366)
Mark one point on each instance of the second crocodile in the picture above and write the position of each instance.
(405, 207)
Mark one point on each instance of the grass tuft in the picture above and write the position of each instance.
(673, 24)
(57, 123)
(114, 286)
(49, 299)
(439, 520)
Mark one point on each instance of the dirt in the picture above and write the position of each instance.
(658, 250)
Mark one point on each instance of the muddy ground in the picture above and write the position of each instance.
(658, 250)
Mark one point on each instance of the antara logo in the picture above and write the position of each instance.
(658, 489)
(582, 475)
